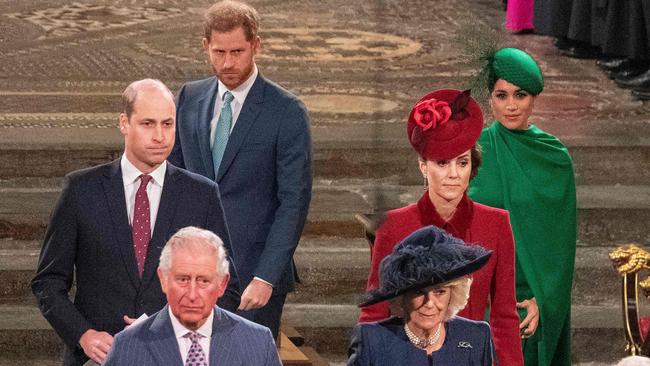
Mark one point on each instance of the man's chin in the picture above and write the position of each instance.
(192, 321)
(231, 81)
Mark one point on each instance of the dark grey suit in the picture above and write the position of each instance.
(89, 238)
(265, 178)
(235, 342)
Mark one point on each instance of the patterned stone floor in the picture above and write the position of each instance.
(355, 64)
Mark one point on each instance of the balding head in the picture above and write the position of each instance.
(130, 94)
(148, 124)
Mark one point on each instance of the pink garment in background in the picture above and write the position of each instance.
(519, 15)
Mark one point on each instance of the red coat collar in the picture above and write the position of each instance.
(457, 226)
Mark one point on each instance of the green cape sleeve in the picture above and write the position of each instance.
(530, 174)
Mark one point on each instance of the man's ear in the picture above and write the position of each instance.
(163, 280)
(204, 44)
(256, 45)
(223, 284)
(124, 120)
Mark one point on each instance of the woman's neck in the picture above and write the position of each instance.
(444, 208)
(425, 334)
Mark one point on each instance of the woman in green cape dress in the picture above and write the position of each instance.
(529, 173)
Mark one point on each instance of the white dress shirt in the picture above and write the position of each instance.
(131, 179)
(184, 343)
(239, 93)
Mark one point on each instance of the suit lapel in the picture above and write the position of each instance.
(113, 186)
(163, 344)
(223, 346)
(205, 112)
(171, 195)
(251, 108)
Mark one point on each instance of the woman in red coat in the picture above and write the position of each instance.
(443, 128)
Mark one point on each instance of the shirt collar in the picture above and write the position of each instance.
(130, 173)
(459, 222)
(240, 92)
(180, 331)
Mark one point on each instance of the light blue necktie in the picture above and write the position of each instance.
(222, 133)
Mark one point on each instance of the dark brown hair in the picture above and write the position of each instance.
(476, 157)
(228, 15)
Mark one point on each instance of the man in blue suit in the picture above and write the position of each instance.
(193, 272)
(110, 224)
(252, 137)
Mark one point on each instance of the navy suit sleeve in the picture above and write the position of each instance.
(488, 348)
(55, 270)
(119, 352)
(293, 164)
(216, 222)
(176, 156)
(272, 357)
(357, 350)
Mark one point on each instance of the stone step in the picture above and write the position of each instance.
(607, 214)
(335, 275)
(593, 164)
(17, 268)
(325, 327)
(359, 151)
(332, 271)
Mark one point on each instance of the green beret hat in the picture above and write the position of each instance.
(517, 67)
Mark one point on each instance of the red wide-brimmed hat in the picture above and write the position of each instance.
(444, 124)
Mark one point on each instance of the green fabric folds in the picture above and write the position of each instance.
(530, 173)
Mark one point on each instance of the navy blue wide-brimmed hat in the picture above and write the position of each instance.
(427, 257)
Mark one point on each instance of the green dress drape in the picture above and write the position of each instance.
(530, 173)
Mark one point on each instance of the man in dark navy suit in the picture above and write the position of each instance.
(109, 226)
(252, 137)
(193, 273)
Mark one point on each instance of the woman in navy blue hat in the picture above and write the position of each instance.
(426, 279)
(443, 128)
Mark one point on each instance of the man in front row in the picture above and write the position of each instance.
(110, 224)
(191, 330)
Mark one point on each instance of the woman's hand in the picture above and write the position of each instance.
(529, 324)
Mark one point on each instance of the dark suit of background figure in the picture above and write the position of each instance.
(467, 342)
(235, 341)
(264, 178)
(89, 237)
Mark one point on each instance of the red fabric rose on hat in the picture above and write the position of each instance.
(431, 113)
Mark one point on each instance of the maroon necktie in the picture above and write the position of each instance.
(141, 227)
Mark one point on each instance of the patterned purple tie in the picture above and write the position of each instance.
(195, 356)
(141, 227)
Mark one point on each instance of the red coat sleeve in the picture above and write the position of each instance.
(504, 319)
(383, 246)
